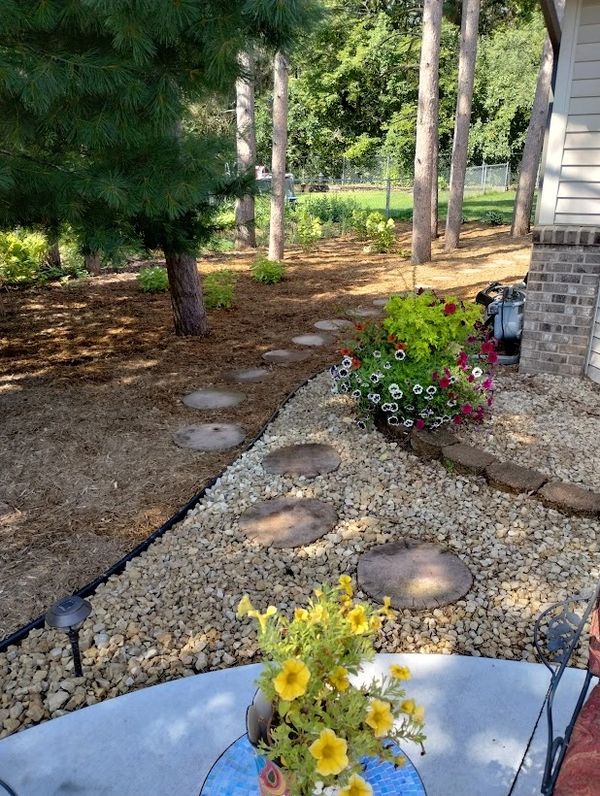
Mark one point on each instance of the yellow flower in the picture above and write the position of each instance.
(400, 672)
(399, 761)
(244, 606)
(375, 623)
(262, 618)
(346, 585)
(358, 620)
(317, 614)
(380, 718)
(330, 753)
(356, 787)
(418, 715)
(339, 678)
(292, 680)
(318, 593)
(408, 706)
(300, 615)
(386, 610)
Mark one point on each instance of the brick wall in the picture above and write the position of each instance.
(561, 299)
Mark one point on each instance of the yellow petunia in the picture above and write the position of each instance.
(358, 620)
(418, 715)
(379, 718)
(244, 606)
(339, 678)
(356, 787)
(292, 680)
(375, 623)
(400, 672)
(386, 610)
(263, 618)
(300, 615)
(317, 614)
(330, 753)
(346, 585)
(408, 706)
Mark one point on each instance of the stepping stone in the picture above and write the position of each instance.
(413, 574)
(309, 460)
(282, 356)
(249, 375)
(311, 340)
(213, 399)
(334, 325)
(510, 477)
(380, 302)
(366, 312)
(467, 459)
(570, 498)
(209, 437)
(288, 522)
(429, 444)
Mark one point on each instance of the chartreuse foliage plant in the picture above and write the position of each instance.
(153, 279)
(269, 272)
(21, 257)
(219, 287)
(430, 362)
(323, 724)
(308, 228)
(380, 233)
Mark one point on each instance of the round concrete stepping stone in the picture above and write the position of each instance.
(311, 340)
(210, 398)
(413, 574)
(282, 356)
(366, 312)
(334, 325)
(288, 522)
(309, 460)
(209, 436)
(380, 302)
(248, 375)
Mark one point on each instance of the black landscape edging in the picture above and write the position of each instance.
(119, 566)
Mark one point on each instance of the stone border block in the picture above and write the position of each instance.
(429, 444)
(509, 477)
(570, 498)
(467, 459)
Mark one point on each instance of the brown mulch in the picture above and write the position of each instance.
(91, 377)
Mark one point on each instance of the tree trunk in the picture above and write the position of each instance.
(93, 263)
(464, 100)
(245, 231)
(534, 143)
(427, 123)
(280, 114)
(435, 199)
(186, 296)
(52, 258)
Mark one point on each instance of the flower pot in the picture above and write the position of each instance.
(272, 780)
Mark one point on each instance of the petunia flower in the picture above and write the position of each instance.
(419, 424)
(356, 787)
(330, 752)
(380, 718)
(292, 680)
(399, 355)
(449, 308)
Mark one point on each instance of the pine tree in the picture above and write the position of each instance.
(96, 126)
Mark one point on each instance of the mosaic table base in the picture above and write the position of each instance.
(235, 774)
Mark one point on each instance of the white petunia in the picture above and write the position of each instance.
(393, 421)
(376, 354)
(399, 355)
(431, 390)
(477, 372)
(408, 423)
(417, 389)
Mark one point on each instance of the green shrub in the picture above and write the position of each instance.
(21, 257)
(267, 271)
(218, 289)
(336, 209)
(380, 233)
(308, 229)
(493, 218)
(358, 222)
(153, 279)
(427, 364)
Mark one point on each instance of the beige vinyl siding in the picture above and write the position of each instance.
(571, 191)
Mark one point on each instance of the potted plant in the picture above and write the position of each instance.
(429, 363)
(313, 725)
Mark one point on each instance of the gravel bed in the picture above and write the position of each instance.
(549, 423)
(172, 612)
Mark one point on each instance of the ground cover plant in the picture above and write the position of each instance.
(269, 272)
(427, 364)
(153, 279)
(219, 288)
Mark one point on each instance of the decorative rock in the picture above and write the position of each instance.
(429, 444)
(213, 399)
(282, 356)
(467, 459)
(56, 700)
(380, 302)
(413, 574)
(510, 477)
(366, 312)
(309, 460)
(570, 498)
(334, 325)
(209, 436)
(285, 522)
(311, 340)
(248, 375)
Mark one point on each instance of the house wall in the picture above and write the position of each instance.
(571, 187)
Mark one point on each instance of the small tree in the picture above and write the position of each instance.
(280, 125)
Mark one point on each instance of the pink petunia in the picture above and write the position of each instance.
(444, 382)
(488, 384)
(419, 424)
(449, 309)
(471, 378)
(492, 358)
(467, 409)
(457, 419)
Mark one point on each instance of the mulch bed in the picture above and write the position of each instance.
(91, 381)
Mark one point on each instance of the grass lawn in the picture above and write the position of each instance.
(475, 206)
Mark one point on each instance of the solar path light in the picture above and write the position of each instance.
(68, 615)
